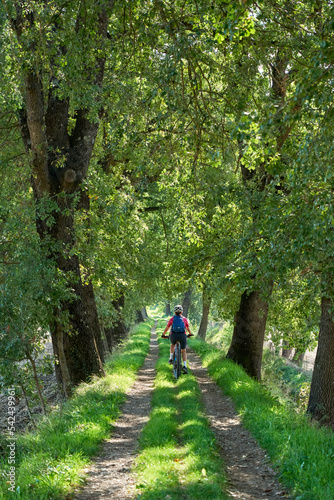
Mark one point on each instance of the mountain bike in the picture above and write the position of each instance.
(177, 359)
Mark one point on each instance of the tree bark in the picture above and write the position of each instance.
(299, 357)
(107, 349)
(321, 401)
(286, 351)
(81, 337)
(248, 335)
(167, 309)
(186, 302)
(62, 372)
(118, 332)
(37, 383)
(205, 314)
(140, 316)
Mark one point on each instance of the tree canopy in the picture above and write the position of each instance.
(150, 148)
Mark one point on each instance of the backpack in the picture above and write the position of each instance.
(178, 325)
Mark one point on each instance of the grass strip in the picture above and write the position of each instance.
(49, 462)
(302, 451)
(178, 458)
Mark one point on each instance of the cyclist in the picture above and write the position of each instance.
(181, 324)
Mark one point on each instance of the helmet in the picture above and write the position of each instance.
(178, 309)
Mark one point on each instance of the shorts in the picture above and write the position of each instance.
(182, 337)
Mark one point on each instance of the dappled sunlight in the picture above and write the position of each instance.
(191, 423)
(184, 394)
(164, 411)
(178, 454)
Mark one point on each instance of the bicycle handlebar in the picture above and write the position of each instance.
(167, 336)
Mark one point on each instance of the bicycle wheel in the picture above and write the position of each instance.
(177, 365)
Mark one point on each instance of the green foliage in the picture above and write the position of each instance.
(220, 336)
(29, 286)
(285, 381)
(189, 102)
(50, 460)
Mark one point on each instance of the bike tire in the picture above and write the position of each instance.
(177, 365)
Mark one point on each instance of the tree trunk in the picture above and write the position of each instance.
(299, 357)
(139, 316)
(61, 368)
(81, 337)
(118, 332)
(37, 384)
(167, 310)
(248, 335)
(205, 314)
(144, 313)
(107, 349)
(321, 401)
(286, 351)
(25, 397)
(250, 321)
(186, 302)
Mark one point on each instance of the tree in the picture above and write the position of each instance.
(206, 303)
(59, 128)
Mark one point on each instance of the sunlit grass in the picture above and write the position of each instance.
(50, 461)
(302, 452)
(178, 457)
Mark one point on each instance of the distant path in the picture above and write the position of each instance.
(249, 474)
(110, 476)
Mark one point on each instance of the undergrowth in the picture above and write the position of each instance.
(287, 382)
(178, 456)
(49, 461)
(302, 452)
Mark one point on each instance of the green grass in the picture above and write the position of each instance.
(50, 461)
(178, 457)
(302, 453)
(220, 335)
(286, 382)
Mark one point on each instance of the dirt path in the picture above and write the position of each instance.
(250, 476)
(110, 477)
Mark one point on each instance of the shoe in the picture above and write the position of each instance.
(170, 361)
(184, 370)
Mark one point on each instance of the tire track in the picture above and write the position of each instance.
(110, 476)
(250, 476)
